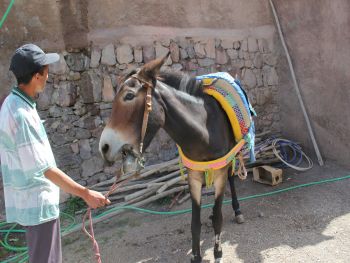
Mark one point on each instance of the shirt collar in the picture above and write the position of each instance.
(20, 93)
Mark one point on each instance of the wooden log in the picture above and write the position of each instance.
(161, 195)
(170, 169)
(262, 134)
(185, 198)
(182, 183)
(175, 199)
(104, 183)
(152, 171)
(141, 183)
(170, 183)
(117, 212)
(124, 188)
(116, 197)
(135, 187)
(141, 193)
(166, 177)
(143, 173)
(140, 198)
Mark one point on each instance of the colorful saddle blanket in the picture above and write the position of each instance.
(233, 99)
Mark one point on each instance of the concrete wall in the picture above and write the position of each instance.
(318, 36)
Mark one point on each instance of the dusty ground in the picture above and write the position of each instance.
(305, 225)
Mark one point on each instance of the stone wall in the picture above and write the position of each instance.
(76, 103)
(77, 99)
(62, 24)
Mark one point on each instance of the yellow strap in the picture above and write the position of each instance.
(233, 166)
(182, 172)
(208, 82)
(203, 166)
(209, 178)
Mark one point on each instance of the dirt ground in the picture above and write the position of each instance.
(309, 224)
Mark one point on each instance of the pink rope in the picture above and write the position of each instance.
(91, 235)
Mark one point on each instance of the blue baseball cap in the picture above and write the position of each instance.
(30, 58)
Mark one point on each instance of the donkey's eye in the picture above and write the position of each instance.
(129, 96)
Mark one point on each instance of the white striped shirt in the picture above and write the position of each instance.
(25, 152)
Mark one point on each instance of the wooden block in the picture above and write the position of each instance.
(267, 175)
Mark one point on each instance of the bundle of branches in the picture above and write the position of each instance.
(154, 182)
(161, 180)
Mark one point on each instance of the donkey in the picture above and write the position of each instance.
(193, 119)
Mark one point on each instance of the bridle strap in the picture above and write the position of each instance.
(148, 108)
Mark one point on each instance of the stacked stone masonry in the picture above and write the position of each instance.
(77, 101)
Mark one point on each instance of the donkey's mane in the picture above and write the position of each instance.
(175, 79)
(180, 81)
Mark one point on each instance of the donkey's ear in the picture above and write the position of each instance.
(151, 70)
(121, 79)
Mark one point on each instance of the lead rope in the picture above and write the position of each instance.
(242, 171)
(91, 235)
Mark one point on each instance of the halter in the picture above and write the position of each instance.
(148, 109)
(139, 159)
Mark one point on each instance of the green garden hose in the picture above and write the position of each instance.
(24, 256)
(6, 13)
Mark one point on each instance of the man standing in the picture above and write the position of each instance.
(30, 177)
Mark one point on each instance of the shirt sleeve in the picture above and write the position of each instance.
(33, 147)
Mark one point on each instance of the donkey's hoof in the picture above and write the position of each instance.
(196, 259)
(219, 260)
(217, 254)
(239, 219)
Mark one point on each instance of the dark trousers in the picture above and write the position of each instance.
(44, 242)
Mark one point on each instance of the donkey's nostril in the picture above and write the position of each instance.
(105, 148)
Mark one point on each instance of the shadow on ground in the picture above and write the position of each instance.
(304, 225)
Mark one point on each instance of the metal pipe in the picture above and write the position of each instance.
(296, 86)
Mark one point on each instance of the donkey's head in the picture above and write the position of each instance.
(123, 133)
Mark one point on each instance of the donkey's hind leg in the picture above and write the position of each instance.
(239, 218)
(220, 179)
(195, 181)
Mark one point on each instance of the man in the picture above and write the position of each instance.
(30, 177)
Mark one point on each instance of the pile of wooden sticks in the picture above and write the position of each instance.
(165, 179)
(152, 183)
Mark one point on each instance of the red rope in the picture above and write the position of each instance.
(91, 235)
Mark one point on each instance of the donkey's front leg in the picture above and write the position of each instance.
(195, 181)
(220, 178)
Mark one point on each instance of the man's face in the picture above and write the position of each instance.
(39, 80)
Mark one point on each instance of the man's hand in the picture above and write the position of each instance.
(95, 199)
(92, 198)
